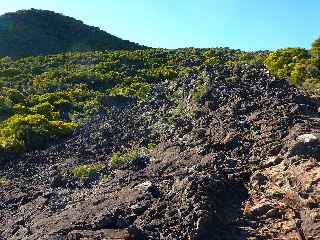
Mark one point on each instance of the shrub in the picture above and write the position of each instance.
(305, 69)
(31, 132)
(281, 62)
(315, 48)
(42, 108)
(163, 73)
(13, 94)
(118, 160)
(20, 109)
(87, 171)
(134, 86)
(152, 146)
(199, 92)
(63, 105)
(5, 107)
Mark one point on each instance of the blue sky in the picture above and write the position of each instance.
(240, 24)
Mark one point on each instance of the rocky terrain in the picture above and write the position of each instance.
(234, 163)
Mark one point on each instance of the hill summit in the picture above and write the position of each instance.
(39, 32)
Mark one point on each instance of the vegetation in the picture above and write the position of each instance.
(300, 66)
(118, 160)
(43, 98)
(88, 171)
(33, 32)
(24, 132)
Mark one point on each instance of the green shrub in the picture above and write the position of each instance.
(135, 86)
(152, 146)
(13, 94)
(297, 66)
(6, 107)
(31, 132)
(9, 72)
(87, 171)
(163, 73)
(42, 108)
(281, 62)
(63, 105)
(118, 160)
(199, 92)
(315, 48)
(20, 109)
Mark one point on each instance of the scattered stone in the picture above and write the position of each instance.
(140, 163)
(260, 209)
(258, 180)
(273, 161)
(308, 138)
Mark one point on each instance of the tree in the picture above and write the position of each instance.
(315, 48)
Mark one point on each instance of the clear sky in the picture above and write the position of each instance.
(240, 24)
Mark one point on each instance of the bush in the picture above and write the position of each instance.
(199, 93)
(134, 86)
(297, 66)
(13, 94)
(63, 105)
(6, 107)
(281, 62)
(118, 160)
(31, 132)
(42, 108)
(87, 171)
(163, 73)
(315, 48)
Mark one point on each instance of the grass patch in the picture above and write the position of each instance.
(87, 171)
(118, 160)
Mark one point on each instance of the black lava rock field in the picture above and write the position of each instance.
(226, 153)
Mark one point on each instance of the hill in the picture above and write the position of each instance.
(160, 144)
(35, 32)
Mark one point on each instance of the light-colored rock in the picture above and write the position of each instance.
(273, 161)
(307, 138)
(259, 209)
(145, 186)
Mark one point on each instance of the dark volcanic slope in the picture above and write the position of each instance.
(35, 32)
(220, 170)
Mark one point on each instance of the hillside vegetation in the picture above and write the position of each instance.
(300, 66)
(34, 32)
(131, 143)
(44, 97)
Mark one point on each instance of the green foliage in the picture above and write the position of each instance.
(63, 105)
(199, 92)
(44, 108)
(13, 94)
(282, 61)
(252, 57)
(315, 48)
(34, 32)
(297, 65)
(42, 96)
(152, 146)
(135, 86)
(87, 171)
(6, 107)
(120, 159)
(163, 73)
(28, 132)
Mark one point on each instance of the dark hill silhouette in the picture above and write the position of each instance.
(39, 32)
